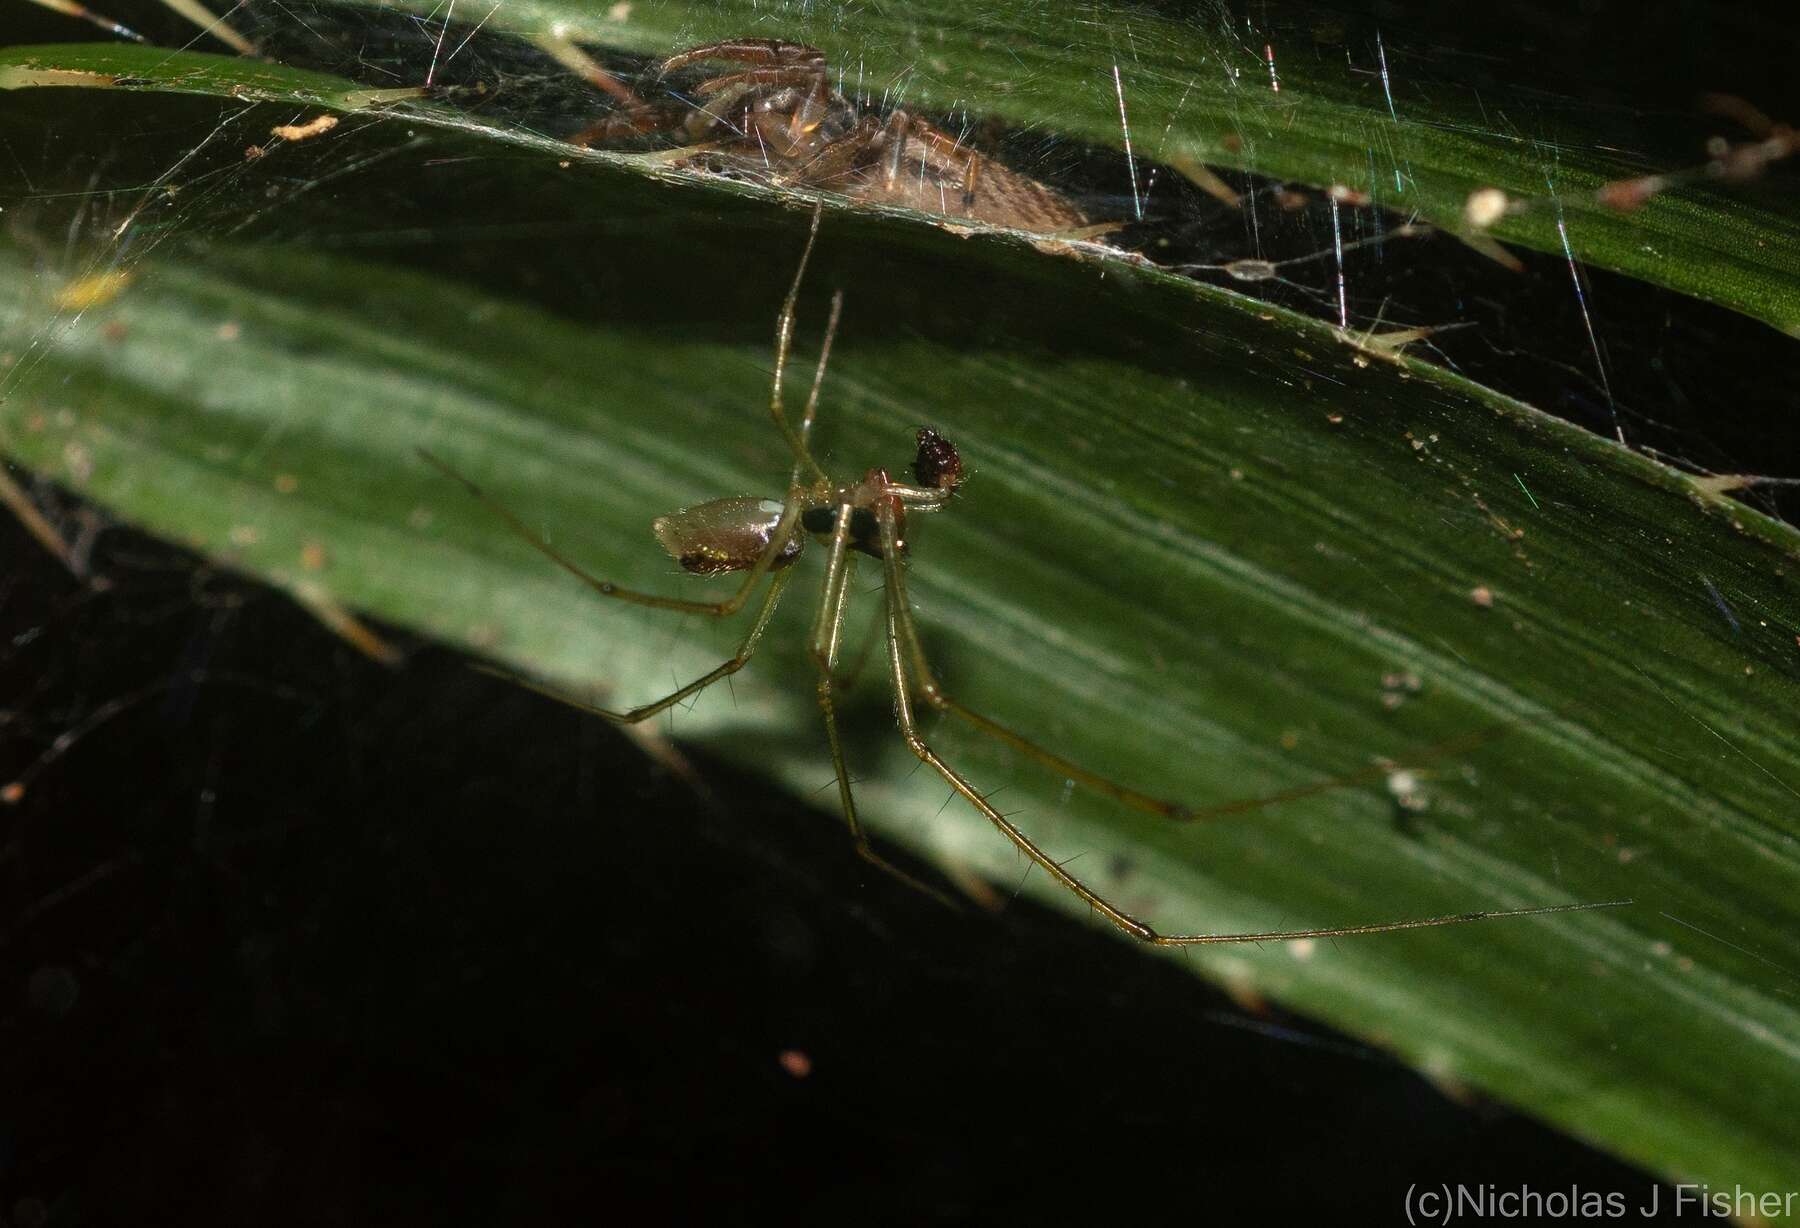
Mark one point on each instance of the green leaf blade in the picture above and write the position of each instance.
(1208, 548)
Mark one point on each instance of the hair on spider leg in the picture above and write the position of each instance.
(763, 539)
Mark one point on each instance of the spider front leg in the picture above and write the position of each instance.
(758, 52)
(901, 632)
(804, 464)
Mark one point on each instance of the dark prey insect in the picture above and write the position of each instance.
(778, 115)
(763, 539)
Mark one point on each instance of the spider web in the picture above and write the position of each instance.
(1666, 374)
(1698, 384)
(1663, 373)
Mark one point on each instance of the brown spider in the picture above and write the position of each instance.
(779, 115)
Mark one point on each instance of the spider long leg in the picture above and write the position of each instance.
(827, 638)
(25, 510)
(934, 694)
(804, 463)
(828, 627)
(758, 51)
(847, 676)
(907, 635)
(778, 539)
(633, 123)
(644, 712)
(837, 162)
(897, 616)
(812, 397)
(718, 112)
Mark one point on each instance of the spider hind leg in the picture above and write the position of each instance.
(900, 632)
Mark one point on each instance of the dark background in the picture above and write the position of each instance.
(287, 936)
(302, 939)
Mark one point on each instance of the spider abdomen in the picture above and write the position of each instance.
(724, 535)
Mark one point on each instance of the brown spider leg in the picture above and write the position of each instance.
(841, 158)
(702, 118)
(718, 98)
(756, 78)
(847, 677)
(898, 615)
(778, 540)
(211, 23)
(722, 96)
(644, 712)
(25, 510)
(901, 129)
(894, 138)
(935, 695)
(762, 51)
